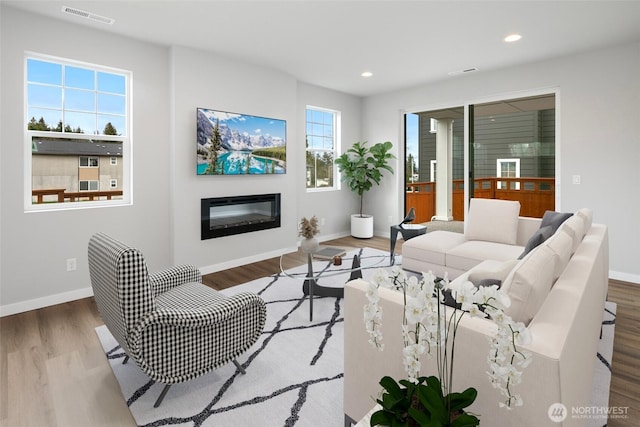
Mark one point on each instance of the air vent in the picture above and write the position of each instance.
(467, 70)
(87, 15)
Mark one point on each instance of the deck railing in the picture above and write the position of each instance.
(62, 195)
(536, 195)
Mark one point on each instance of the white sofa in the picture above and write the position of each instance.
(558, 289)
(493, 231)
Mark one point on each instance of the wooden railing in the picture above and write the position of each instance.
(536, 195)
(72, 196)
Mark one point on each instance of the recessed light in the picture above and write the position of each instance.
(512, 38)
(367, 74)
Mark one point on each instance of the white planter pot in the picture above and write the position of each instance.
(362, 226)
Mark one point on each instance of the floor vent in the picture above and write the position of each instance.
(87, 15)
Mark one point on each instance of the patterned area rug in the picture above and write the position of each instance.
(294, 371)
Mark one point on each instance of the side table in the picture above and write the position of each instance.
(408, 231)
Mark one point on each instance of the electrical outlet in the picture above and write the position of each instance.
(322, 221)
(72, 264)
(576, 179)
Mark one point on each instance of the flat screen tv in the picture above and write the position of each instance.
(239, 144)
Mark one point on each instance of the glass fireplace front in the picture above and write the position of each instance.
(225, 216)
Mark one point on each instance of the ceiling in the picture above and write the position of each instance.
(330, 43)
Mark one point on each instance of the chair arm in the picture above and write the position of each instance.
(214, 314)
(164, 280)
(201, 338)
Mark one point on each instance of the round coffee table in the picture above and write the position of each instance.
(310, 285)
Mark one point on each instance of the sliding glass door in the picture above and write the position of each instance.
(511, 150)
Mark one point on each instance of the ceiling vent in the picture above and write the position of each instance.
(88, 15)
(465, 71)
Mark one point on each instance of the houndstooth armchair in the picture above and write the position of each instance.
(173, 327)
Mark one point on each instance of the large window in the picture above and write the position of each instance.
(77, 125)
(323, 128)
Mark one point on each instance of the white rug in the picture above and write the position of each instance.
(294, 371)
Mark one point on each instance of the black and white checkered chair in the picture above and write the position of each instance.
(173, 327)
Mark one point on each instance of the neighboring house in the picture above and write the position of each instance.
(527, 138)
(76, 165)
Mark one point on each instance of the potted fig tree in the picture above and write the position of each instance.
(362, 166)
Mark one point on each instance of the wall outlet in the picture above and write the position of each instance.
(576, 179)
(72, 264)
(322, 221)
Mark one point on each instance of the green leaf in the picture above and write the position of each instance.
(391, 386)
(459, 401)
(433, 402)
(465, 420)
(421, 417)
(381, 418)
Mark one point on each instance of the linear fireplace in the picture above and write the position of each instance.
(225, 216)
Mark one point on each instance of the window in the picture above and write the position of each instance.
(508, 168)
(89, 185)
(77, 125)
(88, 162)
(323, 128)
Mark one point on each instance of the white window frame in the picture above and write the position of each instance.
(125, 139)
(499, 163)
(337, 123)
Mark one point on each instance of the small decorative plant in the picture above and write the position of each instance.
(308, 228)
(426, 328)
(362, 166)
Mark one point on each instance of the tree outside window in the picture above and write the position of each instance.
(321, 147)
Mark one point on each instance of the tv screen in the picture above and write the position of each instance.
(240, 144)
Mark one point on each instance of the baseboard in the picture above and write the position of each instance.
(34, 304)
(624, 277)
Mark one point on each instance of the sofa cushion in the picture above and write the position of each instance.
(587, 218)
(554, 219)
(491, 270)
(574, 226)
(542, 234)
(467, 255)
(493, 220)
(529, 283)
(431, 247)
(561, 244)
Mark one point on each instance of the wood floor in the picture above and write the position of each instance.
(53, 371)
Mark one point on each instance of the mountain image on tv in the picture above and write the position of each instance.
(240, 144)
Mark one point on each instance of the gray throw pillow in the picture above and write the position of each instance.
(554, 219)
(541, 234)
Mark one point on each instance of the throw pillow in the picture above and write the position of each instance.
(554, 219)
(493, 220)
(529, 284)
(587, 217)
(541, 234)
(497, 272)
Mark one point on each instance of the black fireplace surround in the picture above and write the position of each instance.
(225, 216)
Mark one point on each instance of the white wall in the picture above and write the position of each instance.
(203, 80)
(35, 246)
(599, 95)
(168, 85)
